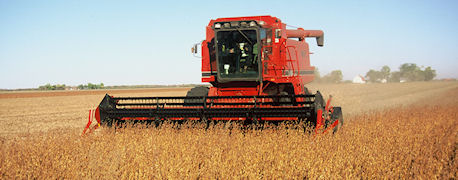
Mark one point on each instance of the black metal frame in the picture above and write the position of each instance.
(207, 107)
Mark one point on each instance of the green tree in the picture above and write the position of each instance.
(385, 72)
(335, 76)
(411, 72)
(45, 87)
(429, 73)
(373, 76)
(91, 86)
(378, 76)
(395, 76)
(60, 87)
(52, 87)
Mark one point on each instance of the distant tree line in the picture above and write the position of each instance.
(64, 87)
(102, 86)
(91, 86)
(335, 76)
(52, 87)
(408, 72)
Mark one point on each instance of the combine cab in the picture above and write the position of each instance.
(257, 69)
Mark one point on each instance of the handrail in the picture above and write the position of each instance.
(290, 59)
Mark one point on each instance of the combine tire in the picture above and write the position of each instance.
(285, 99)
(319, 102)
(337, 114)
(199, 91)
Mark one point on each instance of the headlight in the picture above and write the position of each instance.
(252, 23)
(235, 24)
(218, 25)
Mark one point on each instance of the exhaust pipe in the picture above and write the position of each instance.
(301, 34)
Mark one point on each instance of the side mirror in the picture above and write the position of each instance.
(194, 49)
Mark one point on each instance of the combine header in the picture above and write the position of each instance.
(257, 69)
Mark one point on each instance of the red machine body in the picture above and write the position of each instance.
(258, 70)
(283, 58)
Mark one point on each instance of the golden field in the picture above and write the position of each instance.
(402, 130)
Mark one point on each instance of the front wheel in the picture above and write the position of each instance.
(337, 115)
(194, 94)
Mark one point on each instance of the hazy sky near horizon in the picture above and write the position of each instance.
(147, 42)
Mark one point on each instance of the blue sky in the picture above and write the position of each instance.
(146, 42)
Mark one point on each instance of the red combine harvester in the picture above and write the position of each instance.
(257, 69)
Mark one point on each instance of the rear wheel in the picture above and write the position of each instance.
(199, 91)
(318, 104)
(285, 101)
(310, 122)
(190, 100)
(336, 115)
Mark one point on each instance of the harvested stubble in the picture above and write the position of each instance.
(406, 142)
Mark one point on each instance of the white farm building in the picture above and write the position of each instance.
(359, 80)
